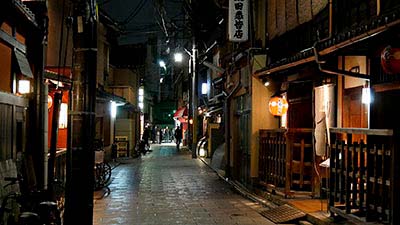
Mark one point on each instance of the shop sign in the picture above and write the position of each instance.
(238, 20)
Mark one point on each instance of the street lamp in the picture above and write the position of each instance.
(162, 64)
(178, 57)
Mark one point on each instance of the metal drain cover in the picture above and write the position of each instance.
(283, 213)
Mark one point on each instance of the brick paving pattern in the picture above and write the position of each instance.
(165, 187)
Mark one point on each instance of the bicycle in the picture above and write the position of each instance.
(12, 211)
(102, 175)
(9, 208)
(25, 205)
(102, 170)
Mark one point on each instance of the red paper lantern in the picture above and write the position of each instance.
(49, 101)
(390, 60)
(278, 106)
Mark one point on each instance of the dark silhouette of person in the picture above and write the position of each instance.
(178, 136)
(146, 136)
(160, 136)
(153, 134)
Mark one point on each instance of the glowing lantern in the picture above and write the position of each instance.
(49, 101)
(390, 60)
(278, 106)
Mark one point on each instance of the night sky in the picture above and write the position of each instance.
(140, 17)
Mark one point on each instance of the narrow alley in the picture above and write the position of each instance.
(169, 187)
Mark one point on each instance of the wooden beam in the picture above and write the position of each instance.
(11, 41)
(366, 131)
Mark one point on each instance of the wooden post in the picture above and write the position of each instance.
(395, 179)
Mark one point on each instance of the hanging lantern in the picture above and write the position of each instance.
(278, 106)
(390, 60)
(49, 101)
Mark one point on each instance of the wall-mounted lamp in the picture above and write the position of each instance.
(366, 94)
(113, 109)
(204, 88)
(63, 120)
(24, 86)
(141, 98)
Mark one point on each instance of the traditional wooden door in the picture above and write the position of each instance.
(355, 113)
(242, 154)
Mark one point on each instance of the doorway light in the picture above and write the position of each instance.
(24, 86)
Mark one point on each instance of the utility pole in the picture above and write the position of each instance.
(194, 97)
(80, 151)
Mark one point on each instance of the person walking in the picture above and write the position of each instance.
(146, 136)
(178, 136)
(153, 134)
(160, 135)
(166, 134)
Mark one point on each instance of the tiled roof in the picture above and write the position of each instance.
(341, 40)
(25, 10)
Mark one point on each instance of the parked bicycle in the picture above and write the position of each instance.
(32, 208)
(102, 170)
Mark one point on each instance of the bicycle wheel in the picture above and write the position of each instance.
(102, 175)
(59, 194)
(106, 173)
(9, 210)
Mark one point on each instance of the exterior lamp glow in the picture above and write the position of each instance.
(366, 96)
(162, 64)
(141, 91)
(49, 101)
(63, 120)
(24, 86)
(113, 109)
(202, 152)
(204, 88)
(278, 106)
(141, 98)
(178, 57)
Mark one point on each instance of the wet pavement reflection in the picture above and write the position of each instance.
(169, 187)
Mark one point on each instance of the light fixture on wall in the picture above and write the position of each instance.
(24, 86)
(266, 82)
(63, 120)
(141, 98)
(366, 94)
(204, 88)
(113, 109)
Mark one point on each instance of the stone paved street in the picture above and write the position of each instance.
(166, 187)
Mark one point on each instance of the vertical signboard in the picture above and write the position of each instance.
(238, 20)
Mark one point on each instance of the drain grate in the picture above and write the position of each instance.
(283, 213)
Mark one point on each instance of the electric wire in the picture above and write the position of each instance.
(135, 12)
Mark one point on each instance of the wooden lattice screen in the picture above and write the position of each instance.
(360, 174)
